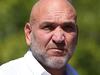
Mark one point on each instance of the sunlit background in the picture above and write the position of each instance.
(15, 13)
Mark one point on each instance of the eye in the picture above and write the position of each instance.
(69, 27)
(48, 26)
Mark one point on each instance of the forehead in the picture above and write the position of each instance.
(58, 15)
(54, 11)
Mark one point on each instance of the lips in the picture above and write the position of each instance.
(56, 51)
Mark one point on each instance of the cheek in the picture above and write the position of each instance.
(71, 41)
(71, 38)
(42, 38)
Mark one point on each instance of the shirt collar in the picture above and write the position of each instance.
(37, 69)
(33, 65)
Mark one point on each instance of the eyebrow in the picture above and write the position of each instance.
(48, 24)
(69, 23)
(56, 24)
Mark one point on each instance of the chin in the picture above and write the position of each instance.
(56, 62)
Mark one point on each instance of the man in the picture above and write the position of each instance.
(51, 35)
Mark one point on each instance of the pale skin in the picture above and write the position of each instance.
(52, 34)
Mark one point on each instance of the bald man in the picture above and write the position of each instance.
(51, 35)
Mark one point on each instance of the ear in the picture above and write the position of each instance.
(28, 31)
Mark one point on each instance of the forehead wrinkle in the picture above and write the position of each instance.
(52, 6)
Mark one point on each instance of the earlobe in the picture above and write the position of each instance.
(28, 30)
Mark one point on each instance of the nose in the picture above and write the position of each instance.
(58, 36)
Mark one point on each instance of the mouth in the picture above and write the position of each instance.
(56, 51)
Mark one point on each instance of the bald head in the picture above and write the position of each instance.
(51, 7)
(52, 32)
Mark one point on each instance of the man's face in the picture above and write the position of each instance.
(54, 36)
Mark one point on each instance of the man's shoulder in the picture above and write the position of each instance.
(17, 67)
(11, 66)
(71, 70)
(12, 63)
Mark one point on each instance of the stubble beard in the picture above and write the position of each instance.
(48, 61)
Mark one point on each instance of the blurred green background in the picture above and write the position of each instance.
(15, 13)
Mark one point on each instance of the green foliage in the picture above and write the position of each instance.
(15, 13)
(13, 16)
(87, 56)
